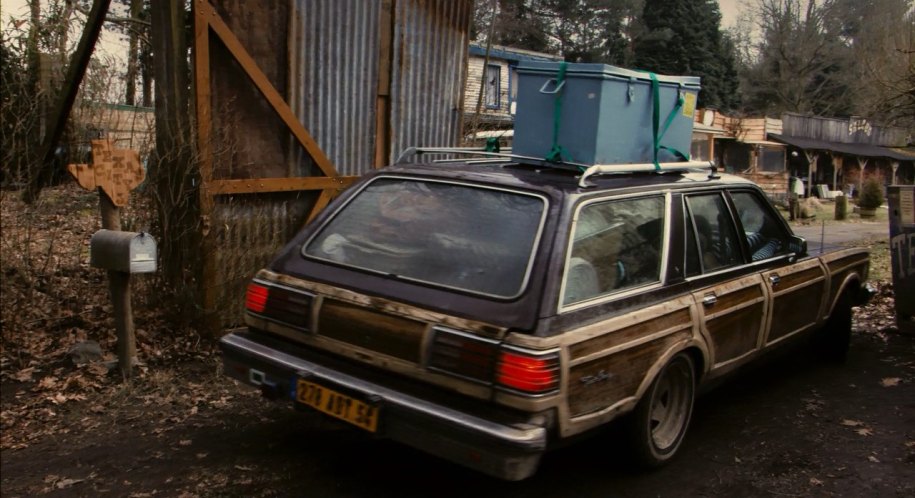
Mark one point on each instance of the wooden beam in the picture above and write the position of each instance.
(325, 198)
(203, 104)
(383, 97)
(265, 185)
(263, 84)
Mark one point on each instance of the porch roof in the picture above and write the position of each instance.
(864, 150)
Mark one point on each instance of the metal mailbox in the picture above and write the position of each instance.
(128, 252)
(902, 251)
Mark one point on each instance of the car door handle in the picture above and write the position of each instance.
(774, 279)
(709, 299)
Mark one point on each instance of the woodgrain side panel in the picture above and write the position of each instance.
(736, 333)
(793, 311)
(792, 280)
(666, 321)
(735, 299)
(602, 382)
(386, 334)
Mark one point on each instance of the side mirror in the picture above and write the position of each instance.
(797, 245)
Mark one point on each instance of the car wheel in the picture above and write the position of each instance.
(662, 415)
(835, 336)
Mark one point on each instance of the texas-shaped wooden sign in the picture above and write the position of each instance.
(115, 171)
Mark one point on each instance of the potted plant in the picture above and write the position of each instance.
(871, 197)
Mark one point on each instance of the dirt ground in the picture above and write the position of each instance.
(789, 427)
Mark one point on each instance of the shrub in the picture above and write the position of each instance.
(871, 194)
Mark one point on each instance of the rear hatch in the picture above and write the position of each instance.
(411, 275)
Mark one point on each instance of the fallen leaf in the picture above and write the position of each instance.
(865, 431)
(244, 468)
(66, 483)
(24, 375)
(852, 423)
(815, 481)
(873, 459)
(890, 382)
(202, 455)
(185, 442)
(910, 444)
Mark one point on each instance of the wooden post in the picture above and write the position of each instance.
(862, 166)
(811, 169)
(119, 288)
(113, 174)
(837, 160)
(895, 166)
(383, 96)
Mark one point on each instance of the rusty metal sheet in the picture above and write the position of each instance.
(334, 48)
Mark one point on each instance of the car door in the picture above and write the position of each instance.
(795, 286)
(732, 299)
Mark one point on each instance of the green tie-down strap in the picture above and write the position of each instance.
(492, 145)
(656, 118)
(556, 151)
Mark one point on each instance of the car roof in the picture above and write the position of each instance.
(561, 180)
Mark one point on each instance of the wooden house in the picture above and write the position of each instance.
(496, 77)
(741, 146)
(842, 153)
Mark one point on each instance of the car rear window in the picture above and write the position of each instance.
(454, 235)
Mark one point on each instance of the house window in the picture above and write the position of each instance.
(493, 85)
(771, 159)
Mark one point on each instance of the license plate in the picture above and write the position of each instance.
(337, 405)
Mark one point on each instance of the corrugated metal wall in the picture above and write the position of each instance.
(430, 50)
(333, 59)
(248, 231)
(334, 49)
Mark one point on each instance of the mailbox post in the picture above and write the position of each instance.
(123, 253)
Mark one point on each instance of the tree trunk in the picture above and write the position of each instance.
(132, 55)
(173, 172)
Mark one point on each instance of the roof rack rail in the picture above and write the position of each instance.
(615, 169)
(480, 151)
(586, 170)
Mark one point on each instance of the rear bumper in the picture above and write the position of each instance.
(507, 451)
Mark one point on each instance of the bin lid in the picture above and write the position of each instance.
(604, 71)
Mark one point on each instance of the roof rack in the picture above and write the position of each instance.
(615, 169)
(586, 170)
(480, 151)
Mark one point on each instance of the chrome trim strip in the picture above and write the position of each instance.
(533, 439)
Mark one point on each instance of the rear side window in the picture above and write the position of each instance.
(615, 245)
(714, 243)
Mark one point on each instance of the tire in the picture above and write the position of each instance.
(661, 417)
(834, 339)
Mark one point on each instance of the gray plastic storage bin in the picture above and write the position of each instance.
(606, 115)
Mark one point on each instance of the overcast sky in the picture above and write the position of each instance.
(730, 10)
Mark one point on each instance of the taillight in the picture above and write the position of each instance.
(463, 354)
(528, 372)
(256, 297)
(280, 303)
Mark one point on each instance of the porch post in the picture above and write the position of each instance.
(836, 167)
(811, 169)
(862, 166)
